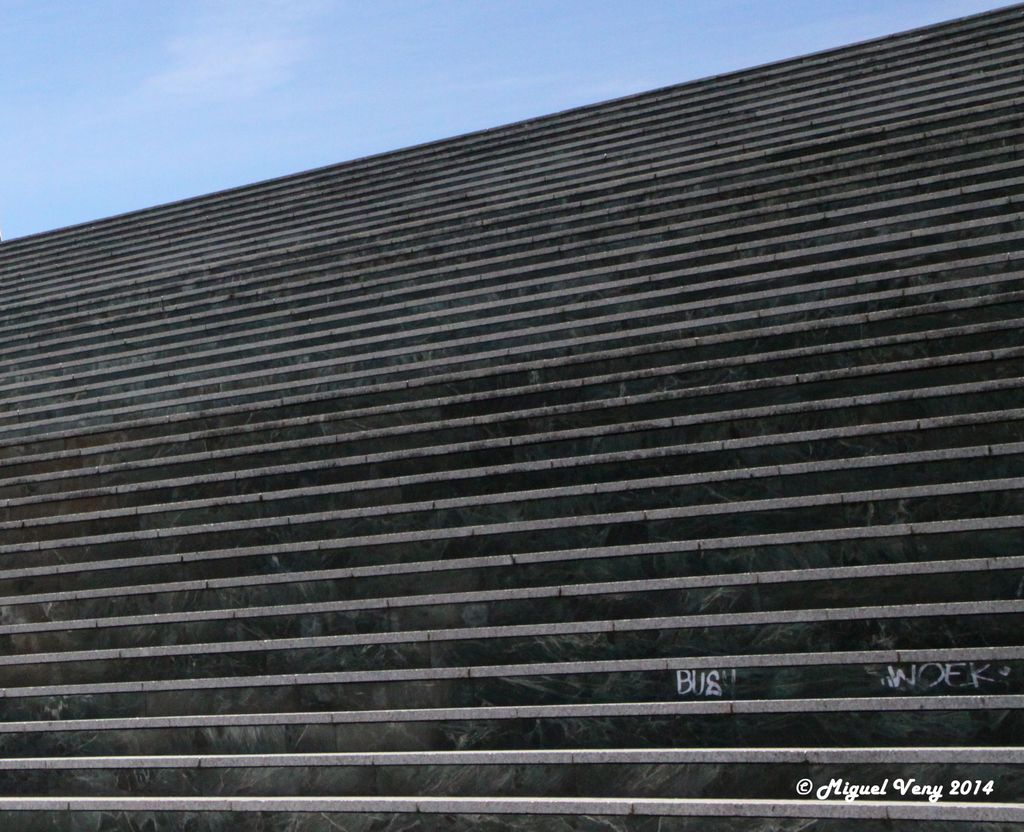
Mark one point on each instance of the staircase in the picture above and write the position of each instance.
(617, 470)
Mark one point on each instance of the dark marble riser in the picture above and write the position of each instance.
(186, 662)
(445, 611)
(214, 432)
(626, 564)
(812, 730)
(933, 108)
(217, 312)
(167, 329)
(643, 452)
(637, 780)
(952, 678)
(497, 499)
(240, 821)
(282, 360)
(482, 530)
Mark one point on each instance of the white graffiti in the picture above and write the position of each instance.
(707, 683)
(952, 675)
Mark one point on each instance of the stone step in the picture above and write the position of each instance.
(306, 527)
(657, 410)
(531, 460)
(326, 459)
(329, 583)
(799, 329)
(995, 137)
(937, 625)
(304, 514)
(61, 336)
(866, 673)
(914, 671)
(980, 721)
(696, 364)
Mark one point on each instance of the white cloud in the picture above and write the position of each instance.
(232, 51)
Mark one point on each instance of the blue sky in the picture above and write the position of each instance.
(113, 105)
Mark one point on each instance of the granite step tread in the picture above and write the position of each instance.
(169, 305)
(817, 92)
(1012, 755)
(962, 567)
(735, 706)
(398, 502)
(17, 420)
